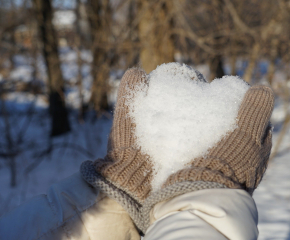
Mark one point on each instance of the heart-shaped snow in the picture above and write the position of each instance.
(179, 118)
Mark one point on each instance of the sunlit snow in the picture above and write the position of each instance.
(178, 118)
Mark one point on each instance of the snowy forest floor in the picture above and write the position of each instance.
(273, 196)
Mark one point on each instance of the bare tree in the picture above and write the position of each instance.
(58, 112)
(156, 39)
(78, 47)
(99, 15)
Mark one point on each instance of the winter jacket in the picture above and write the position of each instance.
(206, 214)
(74, 210)
(71, 210)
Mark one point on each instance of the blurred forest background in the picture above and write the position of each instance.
(62, 60)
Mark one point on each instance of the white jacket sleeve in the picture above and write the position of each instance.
(206, 214)
(71, 210)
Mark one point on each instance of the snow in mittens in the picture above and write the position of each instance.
(179, 117)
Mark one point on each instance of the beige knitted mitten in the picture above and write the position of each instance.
(240, 159)
(124, 165)
(124, 174)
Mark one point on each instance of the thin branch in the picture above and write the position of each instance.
(237, 20)
(198, 40)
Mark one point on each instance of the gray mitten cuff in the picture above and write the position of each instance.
(92, 177)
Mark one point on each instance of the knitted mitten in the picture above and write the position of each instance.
(124, 165)
(124, 174)
(240, 159)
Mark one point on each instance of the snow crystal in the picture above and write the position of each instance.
(180, 117)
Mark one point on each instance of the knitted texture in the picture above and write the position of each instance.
(140, 214)
(240, 159)
(89, 174)
(124, 165)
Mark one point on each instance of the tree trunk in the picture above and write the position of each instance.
(216, 67)
(99, 13)
(57, 109)
(78, 47)
(252, 62)
(273, 56)
(156, 40)
(233, 64)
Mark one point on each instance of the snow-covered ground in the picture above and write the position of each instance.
(273, 194)
(42, 161)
